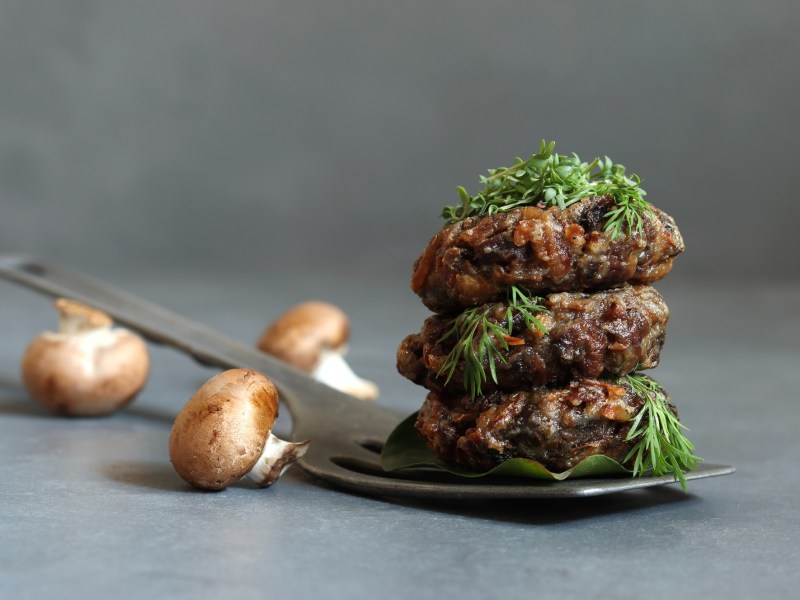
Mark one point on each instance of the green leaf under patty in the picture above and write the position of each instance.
(406, 449)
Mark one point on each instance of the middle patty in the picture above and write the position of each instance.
(604, 333)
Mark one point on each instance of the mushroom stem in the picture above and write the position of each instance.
(275, 459)
(333, 370)
(75, 318)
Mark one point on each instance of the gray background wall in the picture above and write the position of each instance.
(228, 135)
(150, 141)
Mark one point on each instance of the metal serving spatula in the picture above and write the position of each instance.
(346, 434)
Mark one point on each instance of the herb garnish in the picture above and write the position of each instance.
(661, 445)
(479, 338)
(551, 179)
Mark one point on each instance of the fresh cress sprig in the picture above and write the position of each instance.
(660, 443)
(478, 338)
(551, 179)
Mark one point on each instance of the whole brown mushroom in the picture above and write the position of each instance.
(224, 433)
(313, 336)
(86, 368)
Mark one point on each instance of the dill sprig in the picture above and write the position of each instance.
(479, 339)
(661, 445)
(551, 179)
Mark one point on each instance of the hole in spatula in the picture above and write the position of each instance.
(375, 446)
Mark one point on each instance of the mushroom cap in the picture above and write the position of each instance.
(88, 370)
(299, 335)
(220, 434)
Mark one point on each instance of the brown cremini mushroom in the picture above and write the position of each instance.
(313, 336)
(87, 368)
(224, 433)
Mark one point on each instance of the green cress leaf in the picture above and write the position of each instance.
(551, 179)
(405, 449)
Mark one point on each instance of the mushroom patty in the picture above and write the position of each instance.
(475, 260)
(558, 427)
(606, 333)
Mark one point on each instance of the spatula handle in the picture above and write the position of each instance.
(152, 321)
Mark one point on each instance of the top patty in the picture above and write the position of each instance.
(475, 260)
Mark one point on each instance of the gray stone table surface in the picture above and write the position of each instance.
(91, 508)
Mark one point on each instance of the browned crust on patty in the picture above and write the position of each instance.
(475, 260)
(558, 427)
(606, 333)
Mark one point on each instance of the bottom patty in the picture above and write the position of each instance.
(558, 427)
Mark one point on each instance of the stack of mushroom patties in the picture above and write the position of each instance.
(554, 390)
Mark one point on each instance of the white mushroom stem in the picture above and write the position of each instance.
(333, 370)
(75, 318)
(85, 327)
(275, 459)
